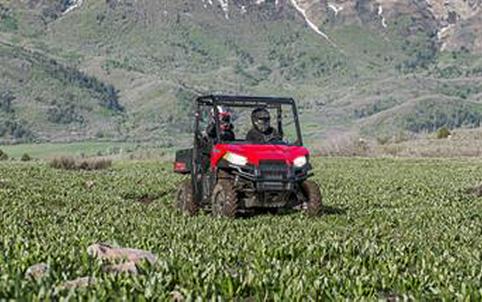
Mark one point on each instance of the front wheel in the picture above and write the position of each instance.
(185, 202)
(312, 193)
(224, 200)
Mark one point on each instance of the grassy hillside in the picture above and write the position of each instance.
(45, 99)
(152, 58)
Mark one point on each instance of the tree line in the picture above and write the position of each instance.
(107, 94)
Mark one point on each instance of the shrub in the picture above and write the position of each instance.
(26, 157)
(88, 164)
(64, 114)
(3, 155)
(383, 140)
(15, 129)
(66, 163)
(6, 100)
(443, 132)
(347, 146)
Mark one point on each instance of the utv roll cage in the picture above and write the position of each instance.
(247, 102)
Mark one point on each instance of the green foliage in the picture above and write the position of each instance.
(463, 91)
(15, 129)
(8, 22)
(125, 65)
(448, 72)
(392, 229)
(375, 107)
(107, 94)
(6, 100)
(430, 116)
(3, 155)
(419, 45)
(383, 140)
(89, 164)
(443, 132)
(457, 64)
(64, 113)
(26, 157)
(420, 59)
(37, 90)
(78, 149)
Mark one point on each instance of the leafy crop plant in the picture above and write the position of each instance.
(391, 229)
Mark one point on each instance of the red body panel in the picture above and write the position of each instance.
(255, 153)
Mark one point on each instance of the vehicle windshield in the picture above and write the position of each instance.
(254, 125)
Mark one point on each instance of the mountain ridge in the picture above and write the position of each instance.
(159, 55)
(447, 19)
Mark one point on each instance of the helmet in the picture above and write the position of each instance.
(261, 118)
(224, 118)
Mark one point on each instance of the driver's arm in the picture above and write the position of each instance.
(274, 136)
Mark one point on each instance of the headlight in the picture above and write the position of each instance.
(300, 161)
(235, 159)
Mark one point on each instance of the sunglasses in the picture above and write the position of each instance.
(265, 119)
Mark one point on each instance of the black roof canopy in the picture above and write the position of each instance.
(244, 101)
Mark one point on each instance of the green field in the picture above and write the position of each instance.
(392, 229)
(59, 149)
(88, 148)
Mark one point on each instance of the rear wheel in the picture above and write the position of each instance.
(311, 191)
(224, 199)
(185, 202)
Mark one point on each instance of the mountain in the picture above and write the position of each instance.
(455, 23)
(129, 70)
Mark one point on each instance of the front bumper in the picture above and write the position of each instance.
(272, 178)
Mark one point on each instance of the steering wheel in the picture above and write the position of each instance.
(274, 139)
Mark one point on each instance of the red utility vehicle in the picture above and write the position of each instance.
(231, 177)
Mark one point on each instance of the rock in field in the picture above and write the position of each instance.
(90, 184)
(476, 191)
(37, 271)
(78, 283)
(177, 296)
(128, 267)
(107, 252)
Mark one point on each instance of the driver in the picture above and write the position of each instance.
(262, 132)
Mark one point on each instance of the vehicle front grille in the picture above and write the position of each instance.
(273, 170)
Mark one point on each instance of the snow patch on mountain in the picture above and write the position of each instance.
(310, 23)
(71, 5)
(380, 14)
(225, 6)
(335, 8)
(206, 2)
(443, 34)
